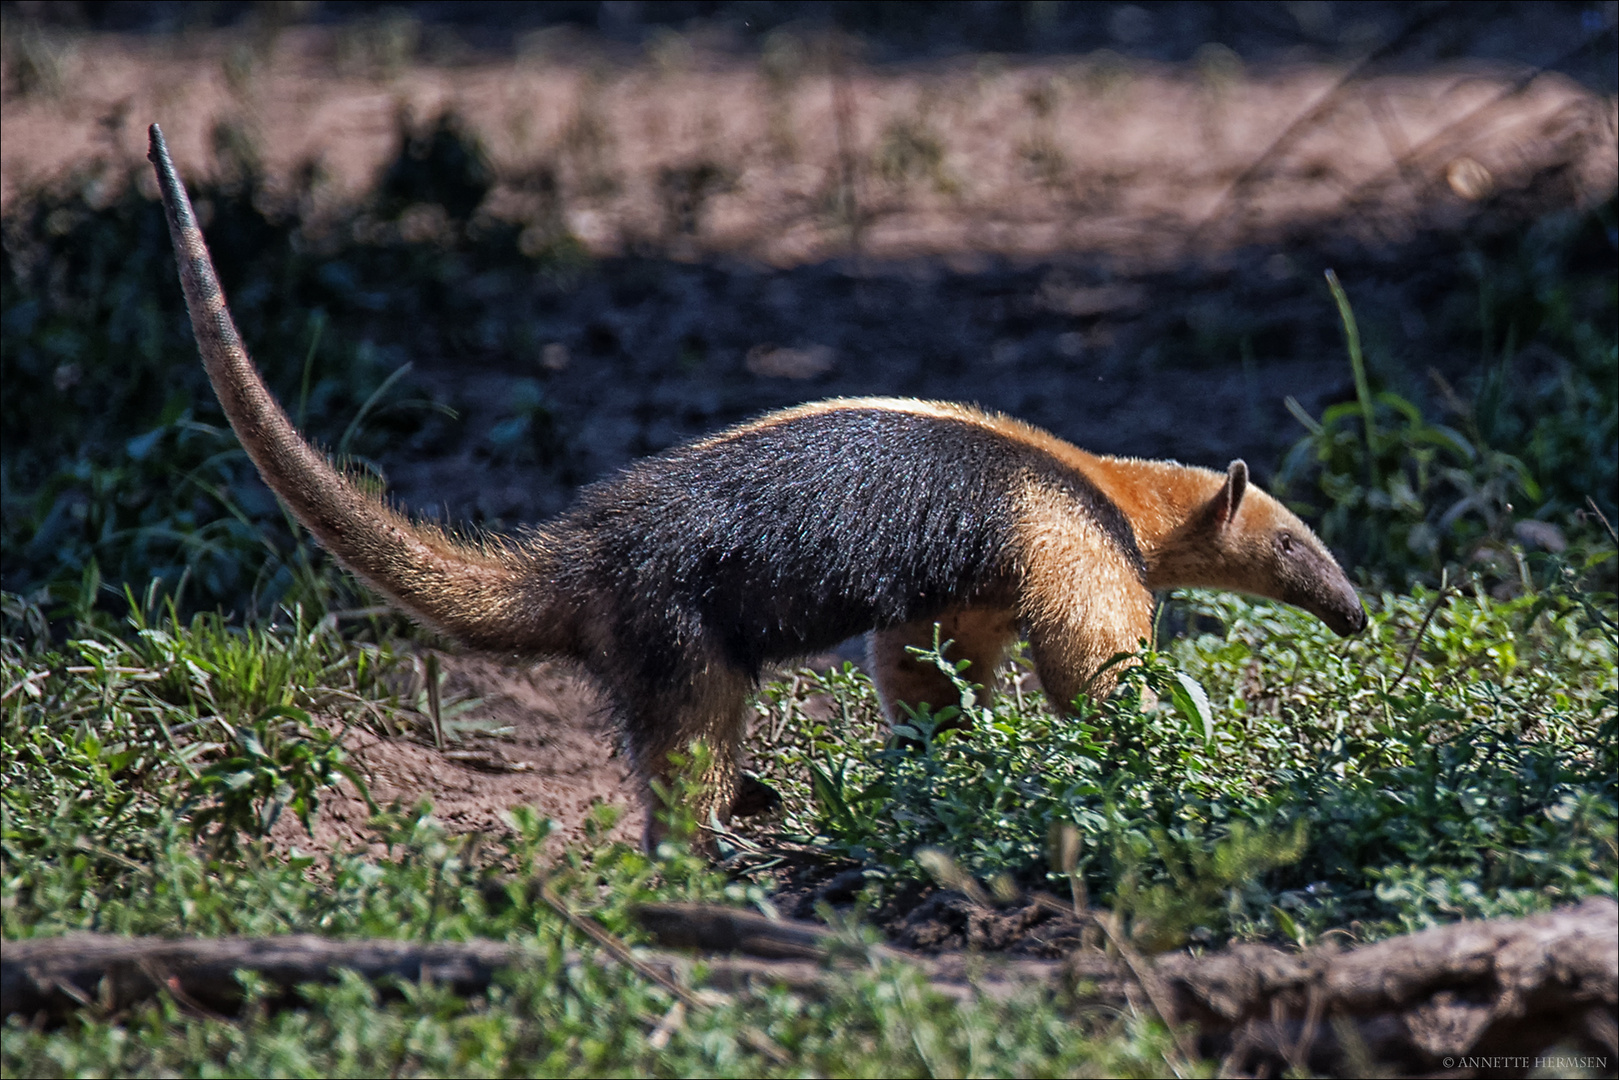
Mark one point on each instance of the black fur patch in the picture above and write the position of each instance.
(782, 539)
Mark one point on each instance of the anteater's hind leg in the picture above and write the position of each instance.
(980, 635)
(666, 718)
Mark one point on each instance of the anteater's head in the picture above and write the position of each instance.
(1240, 538)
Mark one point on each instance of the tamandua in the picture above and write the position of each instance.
(676, 581)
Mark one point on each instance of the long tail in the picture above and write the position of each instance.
(492, 596)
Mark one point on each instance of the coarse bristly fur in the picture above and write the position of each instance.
(678, 580)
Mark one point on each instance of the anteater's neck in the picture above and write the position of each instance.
(1160, 498)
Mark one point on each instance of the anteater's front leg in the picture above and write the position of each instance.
(1077, 625)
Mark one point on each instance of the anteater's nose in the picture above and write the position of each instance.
(1351, 621)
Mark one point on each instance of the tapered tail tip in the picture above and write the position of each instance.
(168, 183)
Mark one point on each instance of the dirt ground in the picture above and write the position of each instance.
(553, 749)
(1123, 250)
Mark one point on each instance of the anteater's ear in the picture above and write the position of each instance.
(1223, 507)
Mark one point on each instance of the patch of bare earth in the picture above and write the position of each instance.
(538, 735)
(1147, 162)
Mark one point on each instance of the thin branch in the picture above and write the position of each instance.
(172, 986)
(1597, 510)
(1448, 132)
(1318, 109)
(1433, 609)
(755, 1038)
(620, 951)
(1141, 968)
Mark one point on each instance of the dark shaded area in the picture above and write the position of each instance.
(1535, 33)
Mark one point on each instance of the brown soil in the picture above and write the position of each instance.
(1147, 162)
(538, 736)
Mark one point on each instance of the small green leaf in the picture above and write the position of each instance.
(236, 781)
(829, 795)
(1285, 923)
(1192, 702)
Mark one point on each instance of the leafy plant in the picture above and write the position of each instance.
(1198, 879)
(1402, 495)
(112, 447)
(1405, 496)
(280, 761)
(1546, 309)
(116, 729)
(1446, 740)
(561, 1014)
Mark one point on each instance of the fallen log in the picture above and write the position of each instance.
(1501, 991)
(110, 973)
(710, 928)
(1497, 989)
(107, 973)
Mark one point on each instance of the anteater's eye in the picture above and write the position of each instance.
(1285, 540)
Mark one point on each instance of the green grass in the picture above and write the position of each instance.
(113, 729)
(547, 1022)
(1517, 460)
(113, 451)
(1257, 778)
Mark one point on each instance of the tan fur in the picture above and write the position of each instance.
(477, 593)
(1081, 602)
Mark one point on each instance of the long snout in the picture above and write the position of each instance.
(1339, 607)
(1345, 622)
(1316, 583)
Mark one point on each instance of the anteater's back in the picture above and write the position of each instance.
(785, 536)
